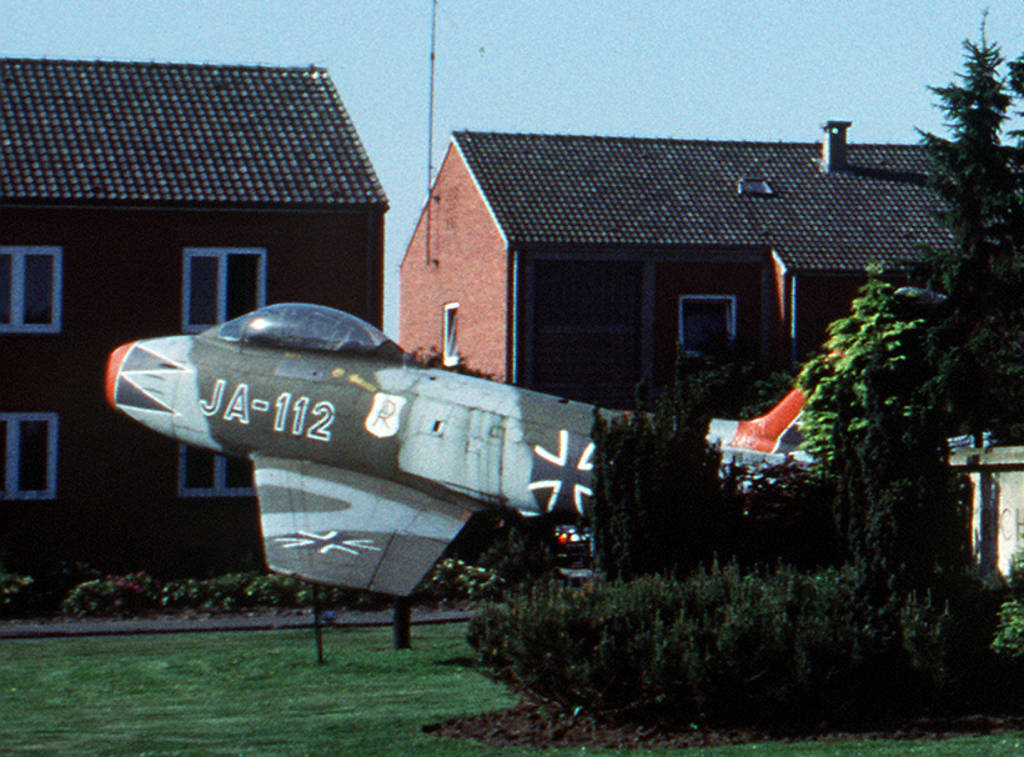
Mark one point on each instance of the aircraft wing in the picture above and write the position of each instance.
(343, 528)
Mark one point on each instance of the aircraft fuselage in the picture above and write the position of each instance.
(367, 464)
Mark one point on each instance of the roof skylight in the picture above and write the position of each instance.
(757, 186)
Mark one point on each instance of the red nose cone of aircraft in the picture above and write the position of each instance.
(113, 368)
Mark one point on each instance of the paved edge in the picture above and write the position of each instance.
(60, 627)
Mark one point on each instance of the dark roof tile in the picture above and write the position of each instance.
(573, 190)
(100, 131)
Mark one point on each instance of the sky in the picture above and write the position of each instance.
(769, 70)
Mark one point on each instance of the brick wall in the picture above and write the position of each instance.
(117, 505)
(739, 279)
(468, 265)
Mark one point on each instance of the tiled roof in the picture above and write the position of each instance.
(99, 131)
(606, 191)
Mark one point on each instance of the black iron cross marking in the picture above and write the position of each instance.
(325, 543)
(565, 474)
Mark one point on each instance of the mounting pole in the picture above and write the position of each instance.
(401, 620)
(316, 625)
(430, 129)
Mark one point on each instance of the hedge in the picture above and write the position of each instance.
(81, 592)
(721, 647)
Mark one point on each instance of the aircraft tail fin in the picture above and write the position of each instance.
(776, 434)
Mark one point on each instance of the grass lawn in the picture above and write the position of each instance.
(263, 693)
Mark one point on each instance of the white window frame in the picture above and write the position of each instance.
(12, 456)
(450, 334)
(17, 303)
(730, 323)
(219, 488)
(221, 254)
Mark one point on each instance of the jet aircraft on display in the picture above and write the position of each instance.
(365, 463)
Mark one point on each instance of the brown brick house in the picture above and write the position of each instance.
(576, 264)
(140, 199)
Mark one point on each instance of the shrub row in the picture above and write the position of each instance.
(779, 649)
(14, 593)
(138, 592)
(454, 579)
(134, 593)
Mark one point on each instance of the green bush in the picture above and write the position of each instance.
(784, 515)
(1008, 643)
(15, 594)
(234, 591)
(51, 587)
(127, 595)
(453, 579)
(114, 595)
(657, 505)
(784, 648)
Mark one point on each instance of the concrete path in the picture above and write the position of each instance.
(36, 628)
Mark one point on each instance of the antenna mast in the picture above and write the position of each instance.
(430, 126)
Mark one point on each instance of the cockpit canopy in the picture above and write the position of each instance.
(302, 326)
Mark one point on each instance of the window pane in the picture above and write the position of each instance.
(237, 473)
(38, 289)
(202, 282)
(198, 469)
(3, 457)
(242, 296)
(705, 322)
(450, 347)
(32, 456)
(5, 288)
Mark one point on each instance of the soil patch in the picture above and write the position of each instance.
(539, 725)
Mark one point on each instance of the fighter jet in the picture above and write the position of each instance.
(366, 464)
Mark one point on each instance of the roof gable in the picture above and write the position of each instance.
(608, 191)
(99, 131)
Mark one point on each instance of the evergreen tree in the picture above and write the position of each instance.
(873, 426)
(657, 504)
(977, 345)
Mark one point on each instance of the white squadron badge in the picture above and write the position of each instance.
(383, 419)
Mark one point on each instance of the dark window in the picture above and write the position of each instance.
(30, 289)
(237, 473)
(38, 288)
(5, 288)
(32, 457)
(199, 465)
(203, 473)
(243, 292)
(203, 290)
(3, 457)
(221, 284)
(28, 443)
(706, 322)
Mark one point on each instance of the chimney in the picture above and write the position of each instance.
(833, 147)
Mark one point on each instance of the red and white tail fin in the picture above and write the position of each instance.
(772, 437)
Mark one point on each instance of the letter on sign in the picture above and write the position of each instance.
(384, 415)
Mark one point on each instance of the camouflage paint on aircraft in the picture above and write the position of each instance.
(366, 464)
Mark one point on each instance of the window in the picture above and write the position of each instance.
(755, 186)
(30, 290)
(221, 283)
(706, 321)
(29, 469)
(202, 473)
(451, 346)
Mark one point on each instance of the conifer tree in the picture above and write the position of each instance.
(657, 499)
(872, 425)
(977, 345)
